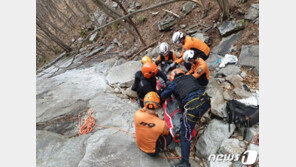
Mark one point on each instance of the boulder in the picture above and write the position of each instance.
(230, 69)
(228, 95)
(214, 135)
(188, 7)
(213, 61)
(93, 37)
(243, 74)
(124, 74)
(251, 132)
(249, 56)
(138, 5)
(253, 12)
(231, 146)
(167, 23)
(235, 80)
(130, 93)
(216, 92)
(219, 110)
(229, 27)
(114, 5)
(226, 44)
(201, 36)
(241, 93)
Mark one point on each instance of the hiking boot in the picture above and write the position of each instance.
(182, 164)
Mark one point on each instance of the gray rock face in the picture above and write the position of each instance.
(235, 80)
(226, 44)
(210, 141)
(229, 27)
(241, 93)
(228, 95)
(229, 70)
(216, 92)
(167, 23)
(231, 146)
(251, 132)
(253, 12)
(102, 149)
(249, 56)
(54, 150)
(220, 110)
(124, 74)
(188, 7)
(201, 36)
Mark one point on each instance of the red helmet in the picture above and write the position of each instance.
(175, 72)
(149, 70)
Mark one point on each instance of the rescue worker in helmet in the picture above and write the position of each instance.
(193, 101)
(201, 49)
(166, 57)
(199, 68)
(145, 80)
(150, 130)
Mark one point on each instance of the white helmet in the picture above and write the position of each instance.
(163, 48)
(177, 37)
(188, 54)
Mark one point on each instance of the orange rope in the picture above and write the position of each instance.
(89, 123)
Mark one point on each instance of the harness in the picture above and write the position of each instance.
(190, 106)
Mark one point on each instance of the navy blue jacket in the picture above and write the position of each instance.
(172, 89)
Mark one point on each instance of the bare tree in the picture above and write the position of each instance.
(52, 36)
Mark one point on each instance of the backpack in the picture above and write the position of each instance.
(242, 115)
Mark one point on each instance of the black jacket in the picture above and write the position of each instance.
(143, 85)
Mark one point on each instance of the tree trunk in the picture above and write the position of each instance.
(130, 21)
(52, 36)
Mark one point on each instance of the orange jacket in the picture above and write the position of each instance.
(192, 42)
(199, 68)
(148, 128)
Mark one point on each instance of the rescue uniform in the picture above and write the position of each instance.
(200, 71)
(189, 94)
(144, 85)
(165, 60)
(148, 129)
(200, 48)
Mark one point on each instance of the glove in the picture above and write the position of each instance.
(170, 67)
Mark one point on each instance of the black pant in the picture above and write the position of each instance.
(141, 102)
(160, 144)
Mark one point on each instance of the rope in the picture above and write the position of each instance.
(192, 147)
(88, 124)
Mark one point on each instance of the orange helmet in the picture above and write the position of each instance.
(175, 72)
(146, 59)
(149, 70)
(151, 100)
